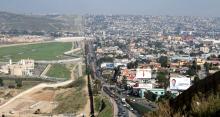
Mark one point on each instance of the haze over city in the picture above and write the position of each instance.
(143, 7)
(109, 58)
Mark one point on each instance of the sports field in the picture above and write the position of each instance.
(43, 51)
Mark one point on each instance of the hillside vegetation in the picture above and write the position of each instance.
(73, 99)
(10, 22)
(201, 100)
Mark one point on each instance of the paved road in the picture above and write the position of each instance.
(59, 61)
(64, 39)
(9, 45)
(46, 70)
(119, 109)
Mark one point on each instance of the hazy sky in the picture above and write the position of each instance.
(146, 7)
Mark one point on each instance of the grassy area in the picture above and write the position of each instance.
(97, 102)
(107, 110)
(73, 99)
(44, 51)
(59, 71)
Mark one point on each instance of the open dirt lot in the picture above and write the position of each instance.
(41, 98)
(29, 103)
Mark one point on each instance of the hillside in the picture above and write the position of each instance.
(30, 23)
(201, 100)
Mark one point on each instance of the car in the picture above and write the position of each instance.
(151, 104)
(131, 109)
(11, 112)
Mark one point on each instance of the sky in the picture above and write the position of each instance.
(142, 7)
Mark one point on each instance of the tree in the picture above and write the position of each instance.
(193, 69)
(88, 70)
(1, 82)
(124, 82)
(162, 79)
(132, 65)
(150, 96)
(196, 79)
(38, 111)
(207, 67)
(105, 59)
(198, 67)
(194, 66)
(97, 86)
(167, 96)
(117, 73)
(191, 72)
(18, 83)
(163, 60)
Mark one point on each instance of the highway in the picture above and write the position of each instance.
(119, 109)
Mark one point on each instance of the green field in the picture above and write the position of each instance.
(43, 51)
(59, 71)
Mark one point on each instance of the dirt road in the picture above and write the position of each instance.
(86, 111)
(33, 97)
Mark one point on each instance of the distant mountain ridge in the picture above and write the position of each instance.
(30, 23)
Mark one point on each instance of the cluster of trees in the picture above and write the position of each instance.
(23, 32)
(105, 59)
(1, 83)
(150, 96)
(132, 65)
(163, 60)
(97, 87)
(162, 78)
(213, 57)
(193, 70)
(167, 96)
(17, 82)
(124, 82)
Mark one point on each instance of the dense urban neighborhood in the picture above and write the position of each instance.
(110, 66)
(147, 59)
